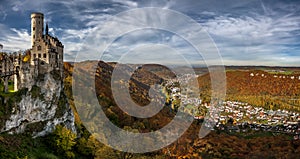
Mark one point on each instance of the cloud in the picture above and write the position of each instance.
(255, 36)
(3, 14)
(246, 32)
(130, 4)
(15, 40)
(259, 36)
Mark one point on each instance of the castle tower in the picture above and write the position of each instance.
(46, 51)
(37, 27)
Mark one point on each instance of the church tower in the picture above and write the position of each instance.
(37, 27)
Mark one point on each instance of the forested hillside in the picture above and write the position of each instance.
(260, 88)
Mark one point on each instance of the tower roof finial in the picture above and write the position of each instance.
(47, 29)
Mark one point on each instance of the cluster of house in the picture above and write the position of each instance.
(241, 112)
(182, 89)
(235, 116)
(275, 76)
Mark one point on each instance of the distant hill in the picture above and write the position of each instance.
(264, 68)
(276, 88)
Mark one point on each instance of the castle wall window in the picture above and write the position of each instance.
(45, 55)
(34, 55)
(40, 55)
(33, 28)
(33, 36)
(39, 48)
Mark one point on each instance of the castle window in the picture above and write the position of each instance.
(33, 36)
(40, 55)
(33, 28)
(45, 55)
(34, 55)
(39, 48)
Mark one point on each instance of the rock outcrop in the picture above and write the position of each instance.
(42, 106)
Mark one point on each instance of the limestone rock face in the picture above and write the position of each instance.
(42, 107)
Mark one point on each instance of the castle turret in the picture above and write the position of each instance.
(37, 27)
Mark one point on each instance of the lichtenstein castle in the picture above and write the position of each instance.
(45, 55)
(46, 51)
(40, 103)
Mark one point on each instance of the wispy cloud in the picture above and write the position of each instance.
(256, 37)
(130, 4)
(14, 40)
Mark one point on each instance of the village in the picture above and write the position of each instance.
(234, 116)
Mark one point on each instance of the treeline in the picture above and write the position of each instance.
(62, 143)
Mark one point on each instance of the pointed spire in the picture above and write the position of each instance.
(47, 29)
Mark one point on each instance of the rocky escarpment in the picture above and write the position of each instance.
(41, 106)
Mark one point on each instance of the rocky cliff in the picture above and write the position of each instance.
(39, 107)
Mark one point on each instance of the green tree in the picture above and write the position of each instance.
(93, 145)
(64, 141)
(82, 147)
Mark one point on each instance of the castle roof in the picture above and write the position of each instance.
(55, 42)
(37, 13)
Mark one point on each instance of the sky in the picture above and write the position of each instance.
(250, 32)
